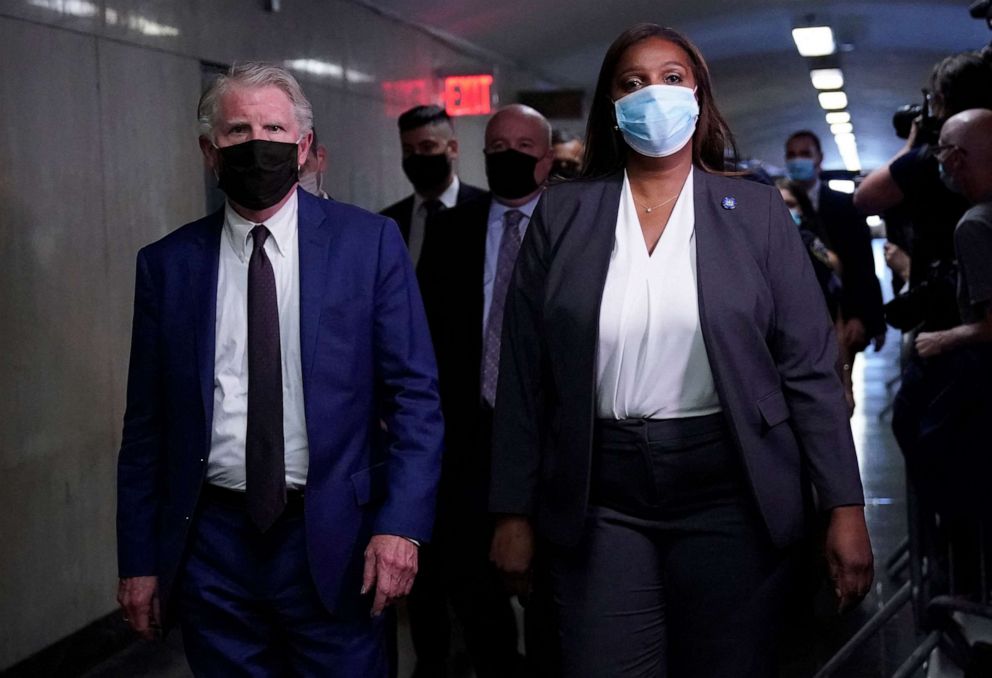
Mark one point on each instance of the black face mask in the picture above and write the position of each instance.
(257, 174)
(565, 169)
(511, 173)
(427, 172)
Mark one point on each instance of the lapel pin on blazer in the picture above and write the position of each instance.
(729, 203)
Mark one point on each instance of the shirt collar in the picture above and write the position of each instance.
(498, 209)
(281, 225)
(814, 193)
(449, 198)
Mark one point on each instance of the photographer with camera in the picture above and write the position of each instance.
(943, 427)
(912, 180)
(965, 157)
(935, 419)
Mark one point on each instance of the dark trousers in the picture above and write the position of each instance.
(459, 572)
(430, 623)
(247, 604)
(675, 575)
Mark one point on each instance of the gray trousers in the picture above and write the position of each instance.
(675, 576)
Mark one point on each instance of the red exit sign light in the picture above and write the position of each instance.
(468, 94)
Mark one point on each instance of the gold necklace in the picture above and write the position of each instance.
(661, 204)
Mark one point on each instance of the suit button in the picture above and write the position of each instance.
(187, 518)
(202, 460)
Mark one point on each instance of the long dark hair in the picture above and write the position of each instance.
(963, 81)
(606, 151)
(810, 219)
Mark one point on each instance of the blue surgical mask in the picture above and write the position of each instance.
(948, 179)
(658, 120)
(797, 216)
(801, 169)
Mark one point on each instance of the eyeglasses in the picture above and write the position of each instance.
(942, 151)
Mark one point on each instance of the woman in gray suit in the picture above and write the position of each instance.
(667, 391)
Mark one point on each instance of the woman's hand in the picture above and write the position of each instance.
(849, 556)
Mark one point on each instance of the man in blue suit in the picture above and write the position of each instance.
(269, 341)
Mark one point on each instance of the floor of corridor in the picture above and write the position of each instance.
(811, 645)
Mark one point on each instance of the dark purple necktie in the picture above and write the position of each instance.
(509, 246)
(265, 465)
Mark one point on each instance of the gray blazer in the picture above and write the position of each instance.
(769, 339)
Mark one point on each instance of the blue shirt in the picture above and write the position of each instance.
(494, 232)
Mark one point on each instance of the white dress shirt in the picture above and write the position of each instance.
(226, 466)
(494, 232)
(652, 362)
(814, 194)
(418, 220)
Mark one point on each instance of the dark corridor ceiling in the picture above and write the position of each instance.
(886, 50)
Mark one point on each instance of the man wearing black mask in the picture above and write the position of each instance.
(464, 273)
(430, 149)
(243, 399)
(569, 152)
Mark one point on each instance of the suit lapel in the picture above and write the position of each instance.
(468, 246)
(708, 225)
(315, 236)
(202, 265)
(593, 260)
(582, 283)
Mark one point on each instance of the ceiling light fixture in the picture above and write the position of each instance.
(833, 101)
(842, 185)
(848, 147)
(814, 41)
(838, 117)
(827, 78)
(841, 128)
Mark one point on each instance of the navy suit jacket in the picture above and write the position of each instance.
(366, 354)
(769, 340)
(402, 212)
(850, 238)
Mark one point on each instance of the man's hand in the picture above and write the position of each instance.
(853, 335)
(849, 555)
(897, 259)
(390, 566)
(138, 598)
(929, 344)
(512, 552)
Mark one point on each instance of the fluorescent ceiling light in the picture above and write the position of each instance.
(833, 101)
(316, 67)
(874, 220)
(80, 8)
(351, 75)
(842, 128)
(814, 41)
(847, 144)
(847, 139)
(326, 69)
(842, 185)
(838, 117)
(827, 78)
(852, 163)
(148, 27)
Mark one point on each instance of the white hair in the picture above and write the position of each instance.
(253, 74)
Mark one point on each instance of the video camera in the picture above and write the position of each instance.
(982, 9)
(928, 127)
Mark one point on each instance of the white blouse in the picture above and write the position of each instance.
(652, 362)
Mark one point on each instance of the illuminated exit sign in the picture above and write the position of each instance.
(468, 94)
